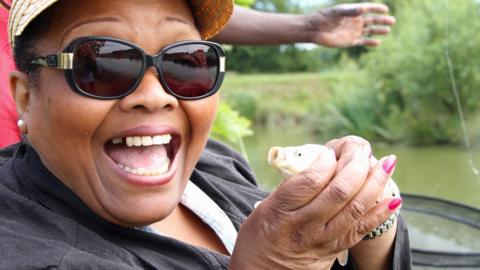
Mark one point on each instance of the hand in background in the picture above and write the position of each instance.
(347, 25)
(343, 25)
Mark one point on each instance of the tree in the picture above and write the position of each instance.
(402, 90)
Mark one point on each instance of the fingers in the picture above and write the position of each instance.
(373, 161)
(369, 42)
(302, 188)
(352, 10)
(391, 188)
(366, 198)
(374, 25)
(377, 25)
(346, 147)
(365, 40)
(340, 190)
(376, 30)
(373, 8)
(374, 22)
(379, 20)
(376, 216)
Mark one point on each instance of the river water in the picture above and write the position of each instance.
(436, 171)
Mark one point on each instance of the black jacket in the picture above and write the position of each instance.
(44, 225)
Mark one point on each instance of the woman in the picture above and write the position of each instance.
(338, 26)
(116, 99)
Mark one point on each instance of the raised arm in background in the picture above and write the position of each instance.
(339, 26)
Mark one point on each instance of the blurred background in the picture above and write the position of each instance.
(400, 96)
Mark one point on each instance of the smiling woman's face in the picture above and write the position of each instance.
(74, 134)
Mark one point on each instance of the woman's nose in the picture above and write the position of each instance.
(149, 95)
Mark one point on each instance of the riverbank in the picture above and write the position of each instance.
(286, 109)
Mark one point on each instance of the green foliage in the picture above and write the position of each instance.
(344, 112)
(282, 6)
(244, 3)
(231, 127)
(405, 86)
(270, 59)
(245, 103)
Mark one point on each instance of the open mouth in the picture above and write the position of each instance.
(149, 155)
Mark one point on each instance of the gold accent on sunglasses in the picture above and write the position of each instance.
(222, 63)
(59, 61)
(65, 60)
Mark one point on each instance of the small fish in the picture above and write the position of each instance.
(294, 159)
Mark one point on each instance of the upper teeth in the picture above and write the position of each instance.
(144, 140)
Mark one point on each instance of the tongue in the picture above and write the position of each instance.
(138, 157)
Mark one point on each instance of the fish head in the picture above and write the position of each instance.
(294, 159)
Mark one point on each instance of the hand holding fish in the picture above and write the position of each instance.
(321, 211)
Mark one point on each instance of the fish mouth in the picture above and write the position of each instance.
(275, 155)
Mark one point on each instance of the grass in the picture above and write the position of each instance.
(273, 98)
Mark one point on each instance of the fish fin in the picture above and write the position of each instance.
(342, 257)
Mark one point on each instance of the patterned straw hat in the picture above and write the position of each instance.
(210, 15)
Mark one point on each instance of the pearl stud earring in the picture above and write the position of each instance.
(22, 126)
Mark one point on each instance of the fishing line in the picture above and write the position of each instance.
(475, 171)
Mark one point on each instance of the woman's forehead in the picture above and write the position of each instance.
(137, 21)
(133, 12)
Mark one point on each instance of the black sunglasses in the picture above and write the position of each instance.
(109, 68)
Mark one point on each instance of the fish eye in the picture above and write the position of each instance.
(299, 154)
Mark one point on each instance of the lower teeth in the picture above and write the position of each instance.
(147, 171)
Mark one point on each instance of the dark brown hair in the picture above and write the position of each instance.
(25, 47)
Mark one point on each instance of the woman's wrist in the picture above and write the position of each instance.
(283, 29)
(302, 29)
(377, 252)
(310, 27)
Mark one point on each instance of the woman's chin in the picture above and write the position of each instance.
(146, 217)
(139, 212)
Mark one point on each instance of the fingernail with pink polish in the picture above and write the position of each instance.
(389, 164)
(394, 204)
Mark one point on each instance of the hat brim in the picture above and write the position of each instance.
(210, 15)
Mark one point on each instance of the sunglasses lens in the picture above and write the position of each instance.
(106, 68)
(190, 70)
